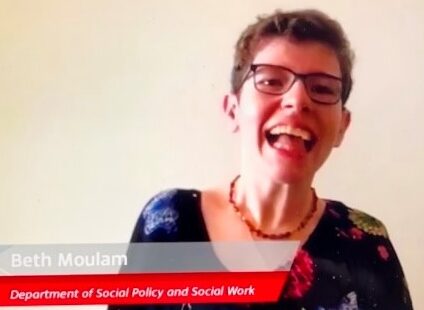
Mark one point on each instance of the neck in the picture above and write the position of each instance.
(273, 206)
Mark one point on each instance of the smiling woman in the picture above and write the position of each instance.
(290, 83)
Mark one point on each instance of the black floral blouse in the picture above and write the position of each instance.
(348, 262)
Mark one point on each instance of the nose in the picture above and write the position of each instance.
(297, 98)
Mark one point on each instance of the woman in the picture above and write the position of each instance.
(290, 83)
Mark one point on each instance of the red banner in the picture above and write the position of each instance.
(214, 287)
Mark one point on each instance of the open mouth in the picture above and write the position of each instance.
(281, 135)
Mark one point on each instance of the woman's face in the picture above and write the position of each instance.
(287, 137)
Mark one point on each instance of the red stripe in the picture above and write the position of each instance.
(255, 287)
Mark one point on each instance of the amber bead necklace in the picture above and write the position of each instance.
(257, 231)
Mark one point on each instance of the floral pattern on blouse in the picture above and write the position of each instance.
(347, 263)
(301, 275)
(367, 223)
(158, 215)
(349, 302)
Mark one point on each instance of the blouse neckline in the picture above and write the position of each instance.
(306, 244)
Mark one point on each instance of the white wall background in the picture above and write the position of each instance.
(103, 103)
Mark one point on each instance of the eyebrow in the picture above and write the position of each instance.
(297, 73)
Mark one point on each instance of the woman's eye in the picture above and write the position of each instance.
(271, 82)
(321, 89)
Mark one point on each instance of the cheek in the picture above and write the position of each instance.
(255, 109)
(252, 120)
(249, 107)
(249, 114)
(250, 125)
(331, 125)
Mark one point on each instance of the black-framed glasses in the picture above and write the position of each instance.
(276, 80)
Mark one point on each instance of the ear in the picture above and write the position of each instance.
(345, 122)
(230, 106)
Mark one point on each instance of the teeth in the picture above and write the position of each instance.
(292, 131)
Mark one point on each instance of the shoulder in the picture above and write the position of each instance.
(355, 219)
(161, 217)
(373, 259)
(168, 200)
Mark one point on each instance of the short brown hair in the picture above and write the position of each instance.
(301, 25)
